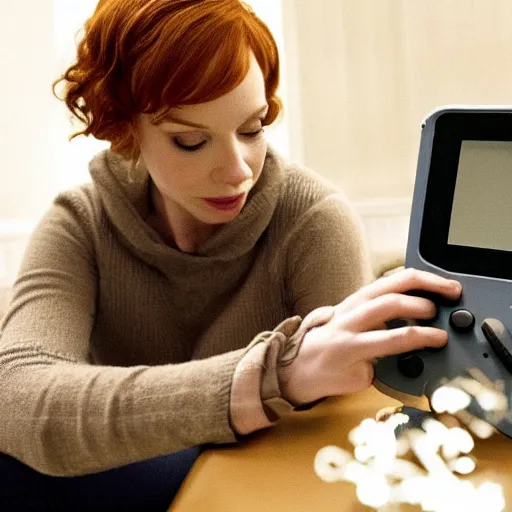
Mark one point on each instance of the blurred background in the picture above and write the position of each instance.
(358, 77)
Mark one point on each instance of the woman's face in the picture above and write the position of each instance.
(205, 158)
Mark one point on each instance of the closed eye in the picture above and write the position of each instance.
(185, 147)
(196, 147)
(253, 134)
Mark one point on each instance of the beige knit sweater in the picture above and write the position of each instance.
(117, 348)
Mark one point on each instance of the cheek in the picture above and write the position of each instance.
(173, 176)
(257, 158)
(167, 167)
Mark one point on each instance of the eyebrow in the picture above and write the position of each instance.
(173, 119)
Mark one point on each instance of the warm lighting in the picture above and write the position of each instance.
(374, 491)
(463, 465)
(490, 497)
(449, 399)
(330, 462)
(491, 400)
(457, 441)
(481, 428)
(382, 476)
(363, 453)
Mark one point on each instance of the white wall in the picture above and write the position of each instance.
(34, 125)
(27, 172)
(271, 12)
(71, 157)
(362, 74)
(369, 71)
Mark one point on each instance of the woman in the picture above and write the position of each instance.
(198, 288)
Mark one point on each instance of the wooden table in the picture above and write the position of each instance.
(273, 471)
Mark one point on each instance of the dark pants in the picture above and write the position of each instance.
(146, 486)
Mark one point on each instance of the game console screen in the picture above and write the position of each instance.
(482, 203)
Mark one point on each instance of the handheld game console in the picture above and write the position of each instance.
(461, 228)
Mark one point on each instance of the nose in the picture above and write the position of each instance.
(233, 168)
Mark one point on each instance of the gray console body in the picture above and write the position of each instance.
(485, 297)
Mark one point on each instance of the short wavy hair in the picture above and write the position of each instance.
(148, 56)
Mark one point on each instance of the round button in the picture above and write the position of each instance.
(462, 320)
(410, 366)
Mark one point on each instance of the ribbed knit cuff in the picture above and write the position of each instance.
(256, 398)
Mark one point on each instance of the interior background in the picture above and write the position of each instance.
(358, 78)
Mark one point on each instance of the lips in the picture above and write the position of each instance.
(226, 202)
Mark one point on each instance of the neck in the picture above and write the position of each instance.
(176, 226)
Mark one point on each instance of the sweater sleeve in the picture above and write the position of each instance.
(64, 416)
(327, 256)
(326, 261)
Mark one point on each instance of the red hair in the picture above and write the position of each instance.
(148, 56)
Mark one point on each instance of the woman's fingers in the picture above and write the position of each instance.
(374, 344)
(374, 313)
(408, 280)
(336, 356)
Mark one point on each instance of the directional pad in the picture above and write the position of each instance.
(410, 365)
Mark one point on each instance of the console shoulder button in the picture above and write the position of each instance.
(410, 366)
(462, 320)
(500, 340)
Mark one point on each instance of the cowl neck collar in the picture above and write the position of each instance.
(125, 194)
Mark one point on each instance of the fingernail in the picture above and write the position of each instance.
(457, 286)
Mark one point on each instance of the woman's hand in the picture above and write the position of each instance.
(337, 357)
